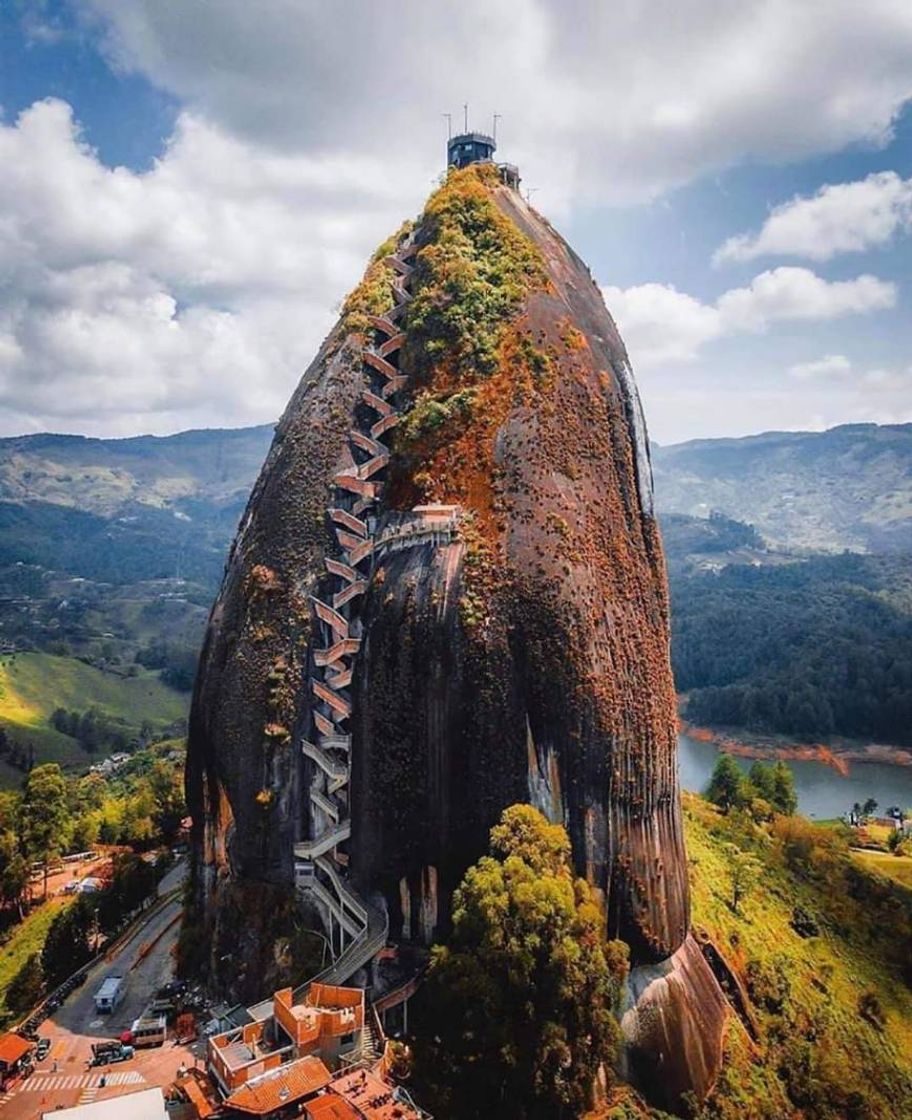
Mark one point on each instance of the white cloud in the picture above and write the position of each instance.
(846, 218)
(195, 293)
(829, 366)
(192, 294)
(661, 325)
(604, 101)
(797, 293)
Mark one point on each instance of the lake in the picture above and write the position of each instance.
(822, 791)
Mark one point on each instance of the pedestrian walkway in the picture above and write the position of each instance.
(39, 1083)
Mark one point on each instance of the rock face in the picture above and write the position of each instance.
(512, 632)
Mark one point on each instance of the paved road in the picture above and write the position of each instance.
(63, 1079)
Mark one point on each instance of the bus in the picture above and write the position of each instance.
(149, 1030)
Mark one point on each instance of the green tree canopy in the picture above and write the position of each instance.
(44, 815)
(726, 786)
(784, 797)
(68, 941)
(14, 872)
(26, 987)
(761, 778)
(517, 1011)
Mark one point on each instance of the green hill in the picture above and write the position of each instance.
(102, 476)
(846, 488)
(34, 685)
(822, 948)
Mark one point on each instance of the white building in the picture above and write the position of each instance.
(149, 1104)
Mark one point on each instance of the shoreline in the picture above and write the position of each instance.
(839, 754)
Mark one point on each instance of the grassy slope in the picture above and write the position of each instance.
(825, 974)
(897, 868)
(32, 685)
(28, 937)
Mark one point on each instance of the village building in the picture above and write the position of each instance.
(322, 1055)
(14, 1052)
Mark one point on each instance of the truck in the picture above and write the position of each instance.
(113, 1050)
(110, 994)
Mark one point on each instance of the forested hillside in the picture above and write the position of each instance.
(809, 649)
(111, 551)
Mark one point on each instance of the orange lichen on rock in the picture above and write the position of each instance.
(536, 630)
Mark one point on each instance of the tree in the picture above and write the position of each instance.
(43, 815)
(132, 882)
(745, 871)
(68, 943)
(726, 786)
(519, 1006)
(784, 798)
(14, 872)
(167, 785)
(27, 986)
(869, 808)
(761, 778)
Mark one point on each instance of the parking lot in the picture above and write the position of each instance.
(63, 1078)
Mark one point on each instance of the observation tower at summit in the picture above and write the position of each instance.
(477, 147)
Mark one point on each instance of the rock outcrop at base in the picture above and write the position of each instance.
(518, 654)
(672, 1026)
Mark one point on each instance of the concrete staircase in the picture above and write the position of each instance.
(320, 863)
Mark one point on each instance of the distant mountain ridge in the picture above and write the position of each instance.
(103, 476)
(846, 488)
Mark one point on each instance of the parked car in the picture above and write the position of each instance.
(42, 1049)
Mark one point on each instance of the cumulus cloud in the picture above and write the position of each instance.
(797, 293)
(845, 218)
(195, 292)
(829, 366)
(662, 325)
(191, 294)
(601, 101)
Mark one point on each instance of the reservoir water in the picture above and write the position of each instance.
(822, 791)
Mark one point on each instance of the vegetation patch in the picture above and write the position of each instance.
(39, 683)
(374, 294)
(519, 1006)
(823, 947)
(468, 352)
(809, 649)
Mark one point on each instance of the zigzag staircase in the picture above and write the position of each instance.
(319, 861)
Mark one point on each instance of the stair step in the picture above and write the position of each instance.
(351, 592)
(384, 424)
(378, 404)
(394, 385)
(381, 365)
(352, 523)
(331, 616)
(378, 322)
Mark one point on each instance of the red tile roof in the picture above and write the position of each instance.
(12, 1048)
(371, 1097)
(280, 1087)
(330, 1107)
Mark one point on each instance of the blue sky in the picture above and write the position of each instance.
(187, 191)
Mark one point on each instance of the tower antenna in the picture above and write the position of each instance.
(497, 117)
(465, 113)
(449, 120)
